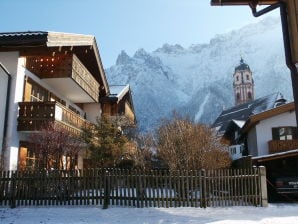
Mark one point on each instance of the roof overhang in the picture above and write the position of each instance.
(74, 92)
(49, 43)
(254, 119)
(242, 2)
(274, 156)
(116, 93)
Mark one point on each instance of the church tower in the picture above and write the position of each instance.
(243, 84)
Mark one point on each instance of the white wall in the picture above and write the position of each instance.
(3, 96)
(10, 61)
(264, 129)
(93, 110)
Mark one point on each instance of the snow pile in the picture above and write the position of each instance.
(274, 214)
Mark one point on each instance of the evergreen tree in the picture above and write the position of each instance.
(106, 143)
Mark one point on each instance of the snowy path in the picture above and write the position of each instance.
(274, 214)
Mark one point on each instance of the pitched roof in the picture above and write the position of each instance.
(50, 38)
(254, 119)
(239, 123)
(48, 42)
(243, 111)
(118, 91)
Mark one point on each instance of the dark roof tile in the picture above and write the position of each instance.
(243, 111)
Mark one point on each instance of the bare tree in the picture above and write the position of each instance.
(183, 144)
(54, 147)
(146, 151)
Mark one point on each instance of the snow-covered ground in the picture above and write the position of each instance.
(274, 214)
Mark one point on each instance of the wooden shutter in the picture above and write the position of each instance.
(292, 6)
(295, 132)
(27, 91)
(275, 133)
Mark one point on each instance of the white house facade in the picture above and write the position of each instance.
(276, 124)
(54, 77)
(4, 97)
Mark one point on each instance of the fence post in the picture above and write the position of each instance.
(203, 203)
(263, 183)
(13, 189)
(106, 190)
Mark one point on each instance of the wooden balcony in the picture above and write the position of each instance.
(33, 116)
(276, 146)
(122, 114)
(67, 75)
(129, 113)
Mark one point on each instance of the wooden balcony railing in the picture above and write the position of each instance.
(64, 66)
(84, 78)
(276, 146)
(129, 113)
(33, 116)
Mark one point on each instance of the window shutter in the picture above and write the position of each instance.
(27, 92)
(275, 133)
(295, 132)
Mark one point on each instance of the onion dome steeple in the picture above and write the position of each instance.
(243, 83)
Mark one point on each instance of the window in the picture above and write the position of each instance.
(53, 97)
(38, 94)
(237, 78)
(238, 96)
(34, 92)
(249, 95)
(284, 133)
(27, 159)
(247, 77)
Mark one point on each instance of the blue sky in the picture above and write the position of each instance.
(126, 24)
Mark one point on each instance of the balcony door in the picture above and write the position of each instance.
(34, 92)
(284, 133)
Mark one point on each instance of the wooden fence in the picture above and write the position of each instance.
(134, 188)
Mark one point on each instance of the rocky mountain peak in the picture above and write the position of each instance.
(170, 49)
(197, 81)
(141, 53)
(123, 58)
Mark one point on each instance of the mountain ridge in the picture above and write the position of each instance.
(197, 81)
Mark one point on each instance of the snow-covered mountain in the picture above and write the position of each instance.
(197, 81)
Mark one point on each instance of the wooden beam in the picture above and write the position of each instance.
(273, 157)
(292, 8)
(242, 2)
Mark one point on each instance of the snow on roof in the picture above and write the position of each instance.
(275, 154)
(118, 90)
(25, 33)
(243, 111)
(240, 123)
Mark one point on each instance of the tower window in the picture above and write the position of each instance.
(249, 95)
(247, 77)
(237, 78)
(238, 96)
